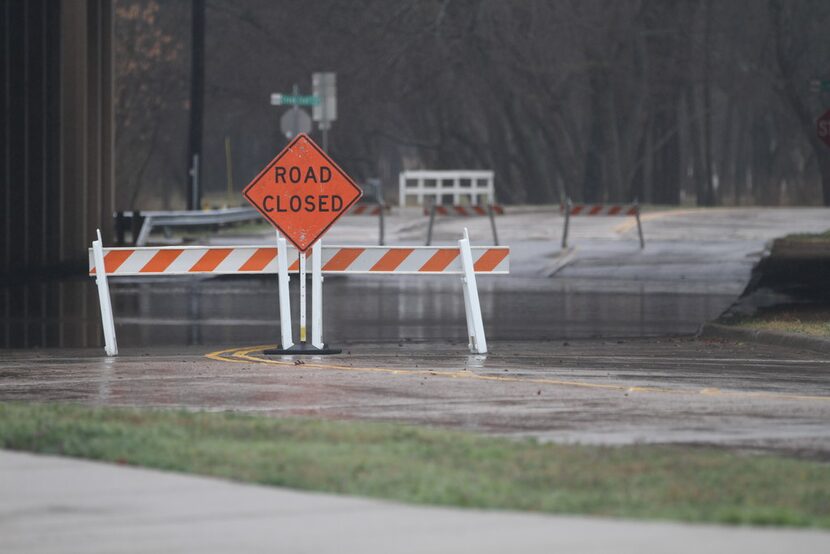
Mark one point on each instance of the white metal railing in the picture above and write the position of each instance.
(472, 186)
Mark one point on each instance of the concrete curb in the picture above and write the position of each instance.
(716, 330)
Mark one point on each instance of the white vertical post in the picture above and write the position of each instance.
(402, 189)
(144, 233)
(110, 343)
(302, 298)
(475, 325)
(285, 299)
(317, 295)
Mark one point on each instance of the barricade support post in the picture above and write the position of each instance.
(493, 224)
(475, 325)
(302, 297)
(110, 342)
(639, 225)
(381, 225)
(285, 299)
(317, 295)
(431, 223)
(567, 222)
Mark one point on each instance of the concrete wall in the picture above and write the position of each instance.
(57, 140)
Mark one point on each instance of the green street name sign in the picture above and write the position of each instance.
(278, 99)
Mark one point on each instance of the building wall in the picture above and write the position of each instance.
(57, 142)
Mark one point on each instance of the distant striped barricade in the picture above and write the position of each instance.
(379, 209)
(489, 210)
(570, 210)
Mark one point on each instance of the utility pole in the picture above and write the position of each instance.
(197, 103)
(709, 196)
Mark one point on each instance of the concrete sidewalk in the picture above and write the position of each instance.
(50, 504)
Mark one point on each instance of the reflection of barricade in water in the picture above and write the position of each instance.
(489, 210)
(463, 260)
(571, 209)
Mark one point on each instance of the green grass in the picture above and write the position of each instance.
(808, 237)
(808, 320)
(797, 327)
(425, 465)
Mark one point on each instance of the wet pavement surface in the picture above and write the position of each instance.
(587, 344)
(592, 391)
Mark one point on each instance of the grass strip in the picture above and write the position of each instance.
(797, 327)
(434, 466)
(811, 320)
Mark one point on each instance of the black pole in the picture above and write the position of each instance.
(197, 102)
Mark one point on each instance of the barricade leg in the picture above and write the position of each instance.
(567, 222)
(144, 234)
(317, 295)
(475, 325)
(110, 343)
(381, 225)
(302, 298)
(288, 348)
(431, 222)
(285, 299)
(640, 227)
(493, 224)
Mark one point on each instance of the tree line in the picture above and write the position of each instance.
(664, 101)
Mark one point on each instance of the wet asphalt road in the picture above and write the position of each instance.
(594, 391)
(600, 352)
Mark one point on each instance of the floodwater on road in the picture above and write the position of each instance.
(231, 310)
(693, 268)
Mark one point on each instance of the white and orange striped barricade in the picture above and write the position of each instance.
(379, 209)
(621, 210)
(463, 261)
(489, 210)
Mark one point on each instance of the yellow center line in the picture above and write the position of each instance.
(244, 356)
(630, 223)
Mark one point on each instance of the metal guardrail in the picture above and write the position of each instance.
(177, 218)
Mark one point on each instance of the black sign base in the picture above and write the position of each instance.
(302, 349)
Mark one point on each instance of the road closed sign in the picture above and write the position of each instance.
(823, 128)
(302, 192)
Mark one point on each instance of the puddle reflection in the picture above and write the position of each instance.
(243, 310)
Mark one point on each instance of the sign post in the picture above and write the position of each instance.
(324, 86)
(294, 121)
(302, 192)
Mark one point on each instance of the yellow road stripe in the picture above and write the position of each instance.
(630, 223)
(244, 356)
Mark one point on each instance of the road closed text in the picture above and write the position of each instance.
(298, 202)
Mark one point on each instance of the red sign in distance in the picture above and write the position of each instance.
(302, 192)
(823, 128)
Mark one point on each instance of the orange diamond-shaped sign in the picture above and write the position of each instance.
(302, 192)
